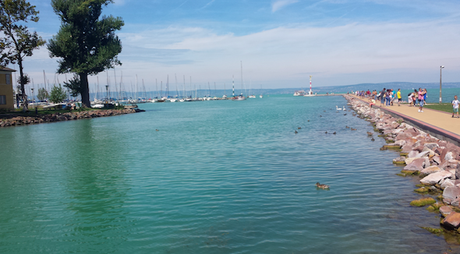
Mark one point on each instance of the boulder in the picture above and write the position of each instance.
(400, 142)
(449, 156)
(457, 173)
(435, 178)
(445, 210)
(399, 161)
(430, 170)
(451, 193)
(416, 165)
(437, 160)
(448, 183)
(452, 221)
(412, 154)
(452, 164)
(423, 154)
(431, 146)
(407, 148)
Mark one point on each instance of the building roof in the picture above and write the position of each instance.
(6, 69)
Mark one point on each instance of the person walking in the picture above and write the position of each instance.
(414, 97)
(382, 96)
(455, 106)
(421, 98)
(388, 97)
(398, 95)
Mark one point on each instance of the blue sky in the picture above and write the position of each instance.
(280, 42)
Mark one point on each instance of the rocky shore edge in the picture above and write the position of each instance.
(436, 162)
(58, 117)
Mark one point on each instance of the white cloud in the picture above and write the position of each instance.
(277, 5)
(285, 56)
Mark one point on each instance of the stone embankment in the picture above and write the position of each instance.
(434, 161)
(27, 120)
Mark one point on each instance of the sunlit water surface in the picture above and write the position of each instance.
(217, 177)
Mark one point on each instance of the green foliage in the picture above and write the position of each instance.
(58, 94)
(86, 44)
(73, 85)
(423, 202)
(25, 80)
(42, 94)
(17, 41)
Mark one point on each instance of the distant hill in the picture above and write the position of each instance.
(366, 86)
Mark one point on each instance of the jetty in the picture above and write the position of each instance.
(427, 143)
(437, 123)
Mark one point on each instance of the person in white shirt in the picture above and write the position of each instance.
(455, 106)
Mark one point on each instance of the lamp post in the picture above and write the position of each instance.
(33, 96)
(107, 90)
(440, 83)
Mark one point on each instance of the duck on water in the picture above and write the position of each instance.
(322, 186)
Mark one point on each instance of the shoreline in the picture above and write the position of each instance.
(434, 160)
(59, 117)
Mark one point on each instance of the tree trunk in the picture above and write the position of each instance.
(84, 89)
(21, 81)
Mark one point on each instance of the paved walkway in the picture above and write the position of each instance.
(437, 122)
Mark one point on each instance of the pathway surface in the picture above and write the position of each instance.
(436, 121)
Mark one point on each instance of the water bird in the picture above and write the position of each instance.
(337, 107)
(308, 120)
(295, 132)
(347, 127)
(344, 114)
(369, 133)
(320, 116)
(299, 128)
(372, 139)
(353, 129)
(157, 130)
(344, 109)
(322, 186)
(326, 132)
(334, 133)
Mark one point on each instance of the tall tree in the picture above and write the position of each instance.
(86, 43)
(17, 41)
(58, 94)
(42, 94)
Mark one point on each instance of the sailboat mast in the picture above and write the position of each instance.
(242, 84)
(233, 81)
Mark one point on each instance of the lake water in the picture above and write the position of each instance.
(217, 177)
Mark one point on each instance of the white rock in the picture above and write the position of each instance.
(400, 142)
(422, 154)
(430, 170)
(412, 154)
(447, 183)
(451, 193)
(435, 178)
(449, 156)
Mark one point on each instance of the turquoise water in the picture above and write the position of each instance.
(217, 177)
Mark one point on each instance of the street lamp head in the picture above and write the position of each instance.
(442, 66)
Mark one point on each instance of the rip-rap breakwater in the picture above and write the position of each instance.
(58, 117)
(435, 161)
